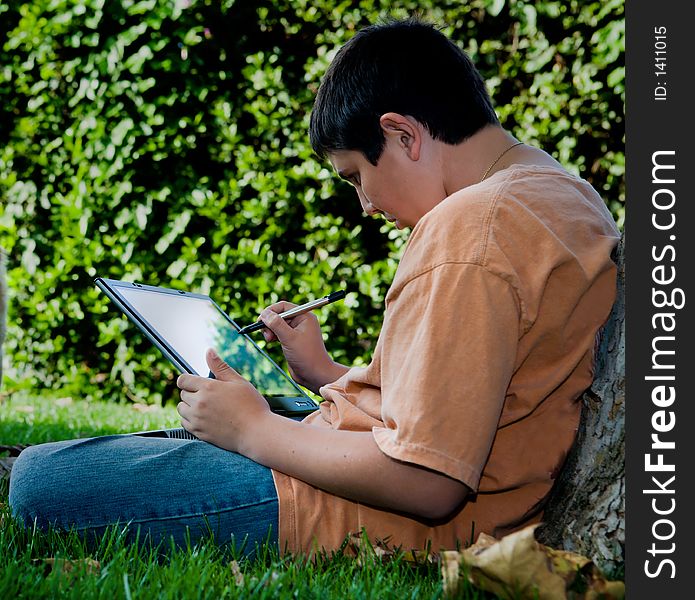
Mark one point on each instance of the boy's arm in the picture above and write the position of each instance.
(351, 465)
(230, 413)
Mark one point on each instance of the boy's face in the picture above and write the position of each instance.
(375, 192)
(399, 187)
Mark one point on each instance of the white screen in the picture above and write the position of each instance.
(191, 325)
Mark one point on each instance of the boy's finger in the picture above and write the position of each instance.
(219, 368)
(188, 382)
(276, 324)
(281, 306)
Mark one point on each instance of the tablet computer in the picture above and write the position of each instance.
(183, 325)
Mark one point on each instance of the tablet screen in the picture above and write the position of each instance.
(190, 325)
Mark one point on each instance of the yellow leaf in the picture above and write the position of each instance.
(236, 571)
(63, 565)
(517, 566)
(418, 557)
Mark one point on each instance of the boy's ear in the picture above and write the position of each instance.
(404, 131)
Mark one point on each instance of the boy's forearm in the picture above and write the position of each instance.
(351, 465)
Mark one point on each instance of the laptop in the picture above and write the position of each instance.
(183, 325)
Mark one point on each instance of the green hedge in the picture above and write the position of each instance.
(165, 142)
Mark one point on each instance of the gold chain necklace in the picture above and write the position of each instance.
(498, 158)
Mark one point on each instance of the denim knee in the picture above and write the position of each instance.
(28, 494)
(163, 486)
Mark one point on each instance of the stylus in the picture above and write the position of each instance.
(298, 310)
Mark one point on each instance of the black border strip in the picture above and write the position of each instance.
(659, 292)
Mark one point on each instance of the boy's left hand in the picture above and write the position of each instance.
(221, 411)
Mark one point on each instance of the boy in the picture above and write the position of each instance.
(463, 418)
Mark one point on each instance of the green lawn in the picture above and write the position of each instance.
(47, 565)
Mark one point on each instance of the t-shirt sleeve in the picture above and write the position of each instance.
(449, 344)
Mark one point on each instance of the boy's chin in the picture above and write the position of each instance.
(396, 221)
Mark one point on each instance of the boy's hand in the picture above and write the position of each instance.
(223, 411)
(230, 413)
(302, 345)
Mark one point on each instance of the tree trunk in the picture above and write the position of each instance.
(586, 509)
(3, 305)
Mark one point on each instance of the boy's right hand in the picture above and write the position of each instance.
(302, 345)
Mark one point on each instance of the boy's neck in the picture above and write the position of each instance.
(466, 163)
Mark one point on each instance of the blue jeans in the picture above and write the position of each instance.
(163, 487)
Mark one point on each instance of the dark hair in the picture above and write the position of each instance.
(408, 67)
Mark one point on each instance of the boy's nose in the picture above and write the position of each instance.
(368, 208)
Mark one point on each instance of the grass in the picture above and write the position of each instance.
(53, 564)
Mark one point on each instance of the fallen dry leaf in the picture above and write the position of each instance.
(63, 565)
(6, 466)
(236, 571)
(13, 450)
(367, 552)
(419, 557)
(582, 577)
(240, 578)
(517, 566)
(451, 572)
(6, 462)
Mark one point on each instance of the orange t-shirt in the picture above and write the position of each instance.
(487, 344)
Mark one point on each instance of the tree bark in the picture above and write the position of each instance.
(3, 305)
(586, 508)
